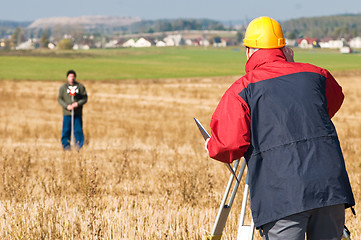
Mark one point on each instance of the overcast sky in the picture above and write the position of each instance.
(28, 10)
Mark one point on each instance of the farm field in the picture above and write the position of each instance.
(143, 172)
(150, 63)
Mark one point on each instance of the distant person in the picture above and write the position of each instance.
(278, 116)
(69, 91)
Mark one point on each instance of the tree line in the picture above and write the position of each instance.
(166, 25)
(339, 26)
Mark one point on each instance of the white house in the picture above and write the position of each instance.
(30, 44)
(188, 42)
(304, 44)
(2, 43)
(111, 44)
(333, 44)
(355, 42)
(142, 42)
(291, 42)
(345, 50)
(129, 43)
(169, 42)
(81, 47)
(204, 42)
(173, 40)
(160, 44)
(51, 45)
(221, 43)
(307, 43)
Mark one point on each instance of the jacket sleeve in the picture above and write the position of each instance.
(83, 95)
(60, 97)
(230, 126)
(334, 95)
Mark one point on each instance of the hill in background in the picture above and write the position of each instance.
(338, 26)
(87, 22)
(8, 27)
(114, 25)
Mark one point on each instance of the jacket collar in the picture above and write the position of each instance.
(75, 83)
(263, 56)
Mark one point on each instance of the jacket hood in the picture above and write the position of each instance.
(263, 56)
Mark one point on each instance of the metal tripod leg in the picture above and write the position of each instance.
(224, 209)
(245, 232)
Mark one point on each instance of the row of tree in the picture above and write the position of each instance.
(340, 26)
(176, 25)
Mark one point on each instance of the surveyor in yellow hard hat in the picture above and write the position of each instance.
(278, 116)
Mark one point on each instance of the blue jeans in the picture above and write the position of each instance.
(78, 132)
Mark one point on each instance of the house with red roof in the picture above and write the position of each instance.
(308, 42)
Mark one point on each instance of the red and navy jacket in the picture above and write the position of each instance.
(278, 116)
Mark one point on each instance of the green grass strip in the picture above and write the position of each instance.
(150, 63)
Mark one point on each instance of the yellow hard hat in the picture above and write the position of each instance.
(264, 32)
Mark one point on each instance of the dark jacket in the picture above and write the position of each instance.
(64, 98)
(278, 116)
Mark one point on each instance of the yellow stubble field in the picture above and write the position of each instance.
(142, 174)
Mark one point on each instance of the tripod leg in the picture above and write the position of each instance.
(224, 209)
(245, 231)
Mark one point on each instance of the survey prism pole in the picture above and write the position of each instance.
(206, 136)
(72, 140)
(72, 90)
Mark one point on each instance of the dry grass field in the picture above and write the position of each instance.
(142, 174)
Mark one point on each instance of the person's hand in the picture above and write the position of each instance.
(75, 104)
(205, 145)
(289, 54)
(70, 107)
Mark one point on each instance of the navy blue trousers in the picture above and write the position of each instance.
(324, 223)
(78, 132)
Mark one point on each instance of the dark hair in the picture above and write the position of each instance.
(71, 72)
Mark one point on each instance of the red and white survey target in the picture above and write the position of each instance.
(72, 90)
